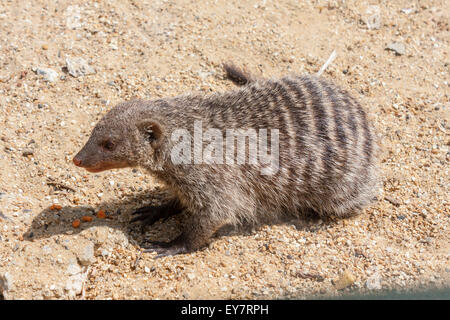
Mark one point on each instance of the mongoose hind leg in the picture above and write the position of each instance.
(148, 215)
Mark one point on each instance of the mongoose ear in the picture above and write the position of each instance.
(151, 131)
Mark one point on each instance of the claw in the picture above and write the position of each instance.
(145, 209)
(148, 215)
(151, 214)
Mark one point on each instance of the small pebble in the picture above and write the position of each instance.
(73, 269)
(101, 214)
(345, 280)
(76, 223)
(191, 276)
(374, 282)
(86, 254)
(397, 47)
(27, 152)
(373, 17)
(78, 67)
(48, 74)
(6, 282)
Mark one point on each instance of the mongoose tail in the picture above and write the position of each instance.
(239, 76)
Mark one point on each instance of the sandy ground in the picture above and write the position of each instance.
(151, 49)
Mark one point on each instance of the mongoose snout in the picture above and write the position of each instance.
(77, 161)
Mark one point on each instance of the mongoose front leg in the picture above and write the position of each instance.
(150, 214)
(195, 235)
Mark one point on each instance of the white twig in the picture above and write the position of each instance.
(330, 60)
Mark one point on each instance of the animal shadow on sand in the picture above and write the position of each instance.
(50, 222)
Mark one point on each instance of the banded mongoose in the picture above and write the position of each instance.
(326, 161)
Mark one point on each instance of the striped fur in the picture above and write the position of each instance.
(328, 152)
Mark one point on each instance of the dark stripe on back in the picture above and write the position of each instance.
(355, 110)
(304, 130)
(368, 143)
(260, 100)
(328, 153)
(288, 109)
(337, 111)
(317, 108)
(272, 93)
(351, 115)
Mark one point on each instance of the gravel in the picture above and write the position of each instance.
(156, 49)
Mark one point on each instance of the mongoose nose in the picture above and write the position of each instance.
(77, 162)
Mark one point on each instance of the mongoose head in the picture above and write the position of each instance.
(127, 136)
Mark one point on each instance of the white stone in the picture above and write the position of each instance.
(6, 282)
(374, 282)
(48, 74)
(191, 276)
(78, 67)
(86, 255)
(373, 17)
(74, 285)
(73, 17)
(73, 269)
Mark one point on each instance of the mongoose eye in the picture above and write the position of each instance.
(108, 145)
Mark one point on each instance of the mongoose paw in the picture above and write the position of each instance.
(150, 214)
(164, 249)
